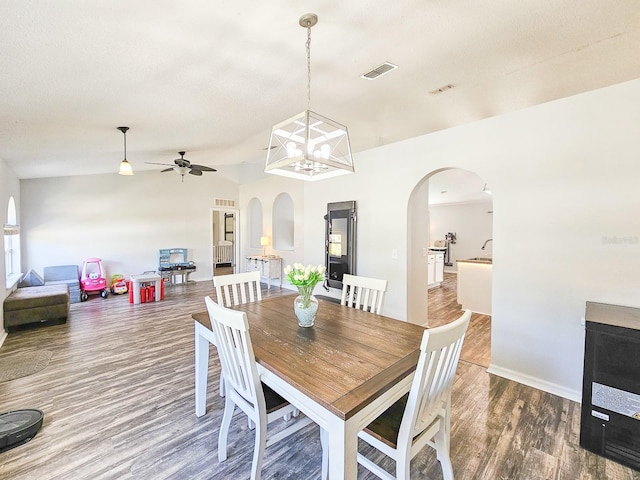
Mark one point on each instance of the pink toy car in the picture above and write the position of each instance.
(92, 279)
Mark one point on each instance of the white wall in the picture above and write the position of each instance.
(566, 225)
(122, 220)
(471, 222)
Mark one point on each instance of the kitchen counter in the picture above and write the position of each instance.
(474, 284)
(488, 260)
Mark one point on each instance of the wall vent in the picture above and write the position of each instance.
(222, 202)
(386, 67)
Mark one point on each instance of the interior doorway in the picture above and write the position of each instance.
(452, 209)
(224, 241)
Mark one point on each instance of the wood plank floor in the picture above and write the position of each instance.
(119, 403)
(444, 308)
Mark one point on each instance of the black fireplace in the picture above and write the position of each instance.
(610, 420)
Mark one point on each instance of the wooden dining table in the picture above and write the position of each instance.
(342, 373)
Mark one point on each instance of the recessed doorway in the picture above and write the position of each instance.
(224, 244)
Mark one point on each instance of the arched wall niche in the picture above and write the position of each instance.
(282, 223)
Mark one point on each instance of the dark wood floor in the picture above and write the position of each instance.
(444, 308)
(119, 403)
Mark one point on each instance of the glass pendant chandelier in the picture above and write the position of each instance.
(309, 146)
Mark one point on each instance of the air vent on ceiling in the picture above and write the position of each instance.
(221, 202)
(386, 67)
(442, 89)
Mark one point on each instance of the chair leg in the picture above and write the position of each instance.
(442, 452)
(447, 423)
(229, 408)
(201, 370)
(258, 449)
(325, 453)
(221, 390)
(403, 463)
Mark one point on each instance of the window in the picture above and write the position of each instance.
(11, 235)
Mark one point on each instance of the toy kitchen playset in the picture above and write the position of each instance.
(174, 267)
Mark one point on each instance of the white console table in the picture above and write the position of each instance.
(269, 267)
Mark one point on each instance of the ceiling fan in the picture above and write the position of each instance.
(183, 166)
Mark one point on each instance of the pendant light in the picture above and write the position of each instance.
(309, 146)
(125, 166)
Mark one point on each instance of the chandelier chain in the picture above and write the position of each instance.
(308, 45)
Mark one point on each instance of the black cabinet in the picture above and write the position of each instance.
(340, 241)
(610, 417)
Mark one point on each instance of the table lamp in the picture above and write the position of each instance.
(264, 241)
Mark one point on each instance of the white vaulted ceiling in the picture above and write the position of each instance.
(212, 77)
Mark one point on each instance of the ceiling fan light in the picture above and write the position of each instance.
(125, 168)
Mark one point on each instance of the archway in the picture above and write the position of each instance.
(447, 204)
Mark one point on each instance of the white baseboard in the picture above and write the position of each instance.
(3, 336)
(535, 382)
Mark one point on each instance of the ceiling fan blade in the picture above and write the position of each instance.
(167, 170)
(156, 163)
(195, 171)
(203, 168)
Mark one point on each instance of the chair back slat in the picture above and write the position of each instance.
(238, 288)
(431, 387)
(363, 293)
(235, 351)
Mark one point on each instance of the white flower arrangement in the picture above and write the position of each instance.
(302, 276)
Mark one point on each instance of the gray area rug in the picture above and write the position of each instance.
(19, 365)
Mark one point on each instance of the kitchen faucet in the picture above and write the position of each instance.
(485, 243)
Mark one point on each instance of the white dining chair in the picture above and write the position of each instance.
(260, 403)
(238, 288)
(423, 416)
(363, 293)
